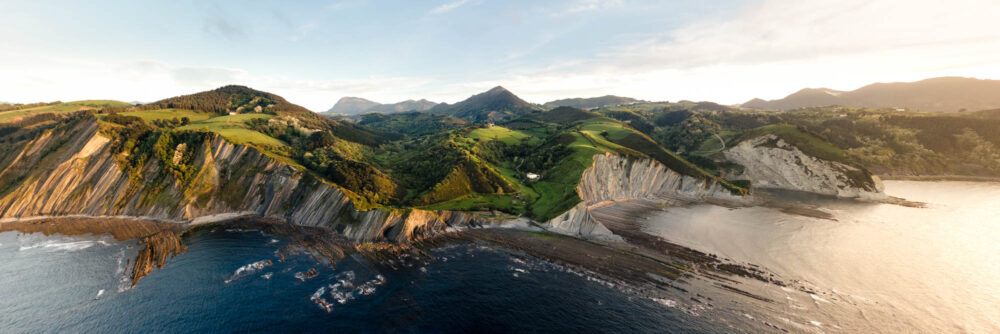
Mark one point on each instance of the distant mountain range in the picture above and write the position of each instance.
(356, 106)
(945, 94)
(590, 103)
(495, 104)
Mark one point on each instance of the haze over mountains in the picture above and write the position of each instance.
(590, 103)
(356, 106)
(944, 94)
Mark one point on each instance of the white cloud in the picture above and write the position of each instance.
(448, 7)
(766, 50)
(776, 47)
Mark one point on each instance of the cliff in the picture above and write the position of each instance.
(617, 178)
(769, 162)
(72, 171)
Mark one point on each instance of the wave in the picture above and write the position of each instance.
(61, 245)
(346, 289)
(248, 269)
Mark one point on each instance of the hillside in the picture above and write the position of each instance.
(356, 106)
(884, 142)
(229, 99)
(493, 105)
(945, 94)
(590, 103)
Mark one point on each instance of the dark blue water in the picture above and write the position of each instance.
(51, 284)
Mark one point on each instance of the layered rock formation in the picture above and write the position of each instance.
(79, 176)
(616, 178)
(771, 163)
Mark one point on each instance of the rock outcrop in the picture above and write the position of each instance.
(80, 176)
(616, 178)
(771, 163)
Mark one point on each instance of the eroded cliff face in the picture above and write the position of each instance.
(74, 172)
(617, 178)
(771, 163)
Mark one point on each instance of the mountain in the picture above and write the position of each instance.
(356, 106)
(944, 94)
(352, 106)
(229, 99)
(493, 105)
(590, 103)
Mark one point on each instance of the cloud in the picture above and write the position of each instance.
(448, 7)
(775, 47)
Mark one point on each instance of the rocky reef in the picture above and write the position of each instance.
(769, 162)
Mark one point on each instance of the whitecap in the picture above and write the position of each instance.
(248, 269)
(64, 246)
(665, 302)
(99, 294)
(317, 297)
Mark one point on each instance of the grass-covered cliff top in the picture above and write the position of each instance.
(808, 143)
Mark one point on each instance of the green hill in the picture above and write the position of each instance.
(497, 104)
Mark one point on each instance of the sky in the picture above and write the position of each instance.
(315, 52)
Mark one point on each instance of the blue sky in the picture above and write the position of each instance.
(314, 52)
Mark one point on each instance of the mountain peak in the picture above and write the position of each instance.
(498, 89)
(495, 104)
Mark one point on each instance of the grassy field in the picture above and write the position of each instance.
(500, 133)
(557, 189)
(477, 202)
(232, 127)
(59, 108)
(166, 114)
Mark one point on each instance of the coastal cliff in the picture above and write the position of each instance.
(72, 171)
(614, 177)
(770, 162)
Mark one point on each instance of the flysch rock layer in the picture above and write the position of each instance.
(614, 178)
(771, 163)
(82, 178)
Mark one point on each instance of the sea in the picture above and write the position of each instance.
(873, 268)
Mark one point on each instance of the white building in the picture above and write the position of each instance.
(532, 176)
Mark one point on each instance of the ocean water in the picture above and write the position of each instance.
(877, 268)
(73, 284)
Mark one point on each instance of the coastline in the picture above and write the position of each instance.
(939, 177)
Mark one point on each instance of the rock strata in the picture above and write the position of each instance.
(616, 178)
(770, 162)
